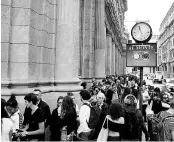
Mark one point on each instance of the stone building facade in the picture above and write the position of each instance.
(55, 44)
(165, 44)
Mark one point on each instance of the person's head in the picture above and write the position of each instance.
(100, 98)
(84, 85)
(30, 100)
(4, 113)
(67, 103)
(38, 93)
(59, 101)
(117, 82)
(133, 83)
(157, 90)
(108, 83)
(85, 95)
(115, 111)
(93, 80)
(130, 100)
(72, 96)
(96, 90)
(12, 105)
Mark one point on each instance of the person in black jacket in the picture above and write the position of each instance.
(103, 108)
(135, 117)
(55, 121)
(157, 101)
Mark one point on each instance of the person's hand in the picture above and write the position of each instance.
(147, 137)
(24, 133)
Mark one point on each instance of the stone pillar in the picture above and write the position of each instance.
(124, 60)
(19, 47)
(116, 59)
(110, 57)
(121, 64)
(67, 46)
(113, 58)
(109, 47)
(100, 48)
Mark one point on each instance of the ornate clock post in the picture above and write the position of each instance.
(141, 54)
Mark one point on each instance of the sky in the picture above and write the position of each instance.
(144, 10)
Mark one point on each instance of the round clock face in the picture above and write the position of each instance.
(141, 32)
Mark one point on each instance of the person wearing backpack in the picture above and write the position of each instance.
(166, 124)
(134, 122)
(88, 117)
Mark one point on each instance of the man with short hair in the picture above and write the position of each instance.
(84, 131)
(44, 106)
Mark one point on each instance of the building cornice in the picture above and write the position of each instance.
(166, 28)
(166, 17)
(112, 22)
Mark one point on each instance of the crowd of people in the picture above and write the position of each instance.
(110, 110)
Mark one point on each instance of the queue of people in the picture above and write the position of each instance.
(109, 112)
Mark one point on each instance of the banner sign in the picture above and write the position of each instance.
(141, 55)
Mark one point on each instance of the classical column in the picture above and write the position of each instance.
(116, 59)
(119, 62)
(67, 46)
(109, 47)
(113, 57)
(100, 51)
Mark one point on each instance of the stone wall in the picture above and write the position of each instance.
(41, 41)
(28, 41)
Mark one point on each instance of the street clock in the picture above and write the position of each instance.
(141, 32)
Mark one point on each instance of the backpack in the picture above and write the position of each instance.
(94, 116)
(131, 126)
(157, 128)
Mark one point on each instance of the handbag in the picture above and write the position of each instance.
(149, 108)
(103, 135)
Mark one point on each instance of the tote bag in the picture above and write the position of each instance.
(103, 135)
(149, 110)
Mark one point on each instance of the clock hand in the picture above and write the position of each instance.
(140, 29)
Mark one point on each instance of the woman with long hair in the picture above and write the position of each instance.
(68, 117)
(55, 120)
(114, 122)
(6, 123)
(14, 112)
